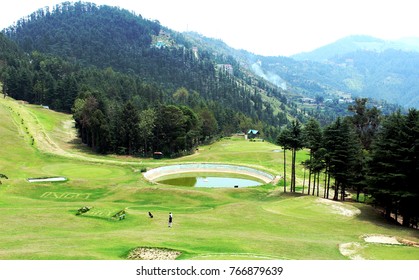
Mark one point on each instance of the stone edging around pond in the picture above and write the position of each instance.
(158, 172)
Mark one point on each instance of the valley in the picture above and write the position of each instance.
(41, 220)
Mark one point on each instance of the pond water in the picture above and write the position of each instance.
(211, 181)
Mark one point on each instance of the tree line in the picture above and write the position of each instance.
(364, 153)
(124, 129)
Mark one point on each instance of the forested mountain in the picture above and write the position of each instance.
(390, 75)
(326, 86)
(386, 77)
(81, 51)
(356, 66)
(102, 36)
(106, 36)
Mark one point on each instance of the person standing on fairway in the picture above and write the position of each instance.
(170, 219)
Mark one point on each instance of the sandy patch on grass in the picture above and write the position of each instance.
(351, 250)
(381, 239)
(143, 253)
(409, 243)
(340, 208)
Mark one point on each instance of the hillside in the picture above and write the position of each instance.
(81, 49)
(357, 66)
(309, 79)
(40, 221)
(370, 67)
(390, 75)
(105, 36)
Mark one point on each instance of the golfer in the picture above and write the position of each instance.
(170, 219)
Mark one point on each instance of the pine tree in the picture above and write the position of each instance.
(343, 152)
(283, 141)
(394, 166)
(131, 129)
(291, 138)
(384, 166)
(146, 126)
(296, 143)
(169, 131)
(312, 136)
(365, 120)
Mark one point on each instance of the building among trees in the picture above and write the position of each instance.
(252, 134)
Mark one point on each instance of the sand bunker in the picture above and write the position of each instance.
(351, 250)
(381, 239)
(142, 253)
(389, 240)
(341, 208)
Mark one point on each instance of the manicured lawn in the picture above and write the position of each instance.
(38, 220)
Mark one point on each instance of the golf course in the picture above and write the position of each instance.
(38, 219)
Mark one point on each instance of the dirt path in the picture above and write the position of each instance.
(340, 208)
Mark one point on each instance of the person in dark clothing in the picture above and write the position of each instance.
(170, 219)
(150, 215)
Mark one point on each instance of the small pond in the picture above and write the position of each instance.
(211, 181)
(208, 175)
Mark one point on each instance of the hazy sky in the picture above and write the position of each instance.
(267, 27)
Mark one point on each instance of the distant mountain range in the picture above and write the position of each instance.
(355, 66)
(356, 43)
(361, 66)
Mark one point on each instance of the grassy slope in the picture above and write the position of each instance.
(39, 221)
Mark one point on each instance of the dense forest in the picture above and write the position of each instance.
(135, 87)
(366, 153)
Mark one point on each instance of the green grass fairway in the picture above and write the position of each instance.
(39, 220)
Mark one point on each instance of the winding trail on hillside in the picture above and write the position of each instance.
(25, 120)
